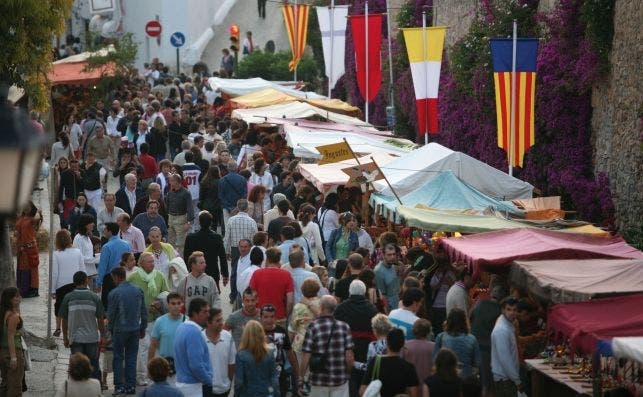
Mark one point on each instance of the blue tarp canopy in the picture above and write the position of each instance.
(444, 192)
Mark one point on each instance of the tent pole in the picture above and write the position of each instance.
(426, 80)
(386, 179)
(512, 126)
(366, 31)
(332, 39)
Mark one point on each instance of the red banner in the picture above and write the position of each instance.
(369, 88)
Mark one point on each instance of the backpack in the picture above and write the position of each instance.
(320, 225)
(122, 125)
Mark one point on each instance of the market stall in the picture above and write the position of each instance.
(443, 192)
(293, 110)
(495, 251)
(561, 281)
(419, 166)
(580, 330)
(304, 142)
(237, 87)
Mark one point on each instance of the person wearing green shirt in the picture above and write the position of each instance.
(152, 282)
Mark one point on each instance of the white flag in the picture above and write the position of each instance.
(336, 17)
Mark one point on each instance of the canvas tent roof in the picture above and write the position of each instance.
(444, 191)
(327, 176)
(562, 281)
(293, 110)
(313, 126)
(410, 171)
(304, 141)
(271, 96)
(71, 70)
(456, 221)
(628, 347)
(588, 323)
(500, 248)
(238, 87)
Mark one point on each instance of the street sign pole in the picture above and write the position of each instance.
(177, 39)
(178, 68)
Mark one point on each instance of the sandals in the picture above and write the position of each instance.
(57, 332)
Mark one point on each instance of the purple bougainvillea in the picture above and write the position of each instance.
(561, 161)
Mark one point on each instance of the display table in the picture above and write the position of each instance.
(547, 381)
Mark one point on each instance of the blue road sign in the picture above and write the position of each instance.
(177, 39)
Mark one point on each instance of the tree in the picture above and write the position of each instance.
(275, 67)
(27, 29)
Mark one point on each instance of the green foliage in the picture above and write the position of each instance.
(496, 20)
(314, 37)
(634, 237)
(27, 28)
(122, 58)
(275, 67)
(598, 16)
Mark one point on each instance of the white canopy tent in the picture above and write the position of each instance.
(238, 87)
(293, 110)
(304, 142)
(628, 347)
(419, 166)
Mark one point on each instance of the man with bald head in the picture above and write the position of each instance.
(128, 195)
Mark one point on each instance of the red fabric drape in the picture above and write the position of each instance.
(358, 24)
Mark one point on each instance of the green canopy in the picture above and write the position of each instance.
(453, 222)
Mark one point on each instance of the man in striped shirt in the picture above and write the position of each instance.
(239, 227)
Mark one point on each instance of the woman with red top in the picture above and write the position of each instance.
(27, 268)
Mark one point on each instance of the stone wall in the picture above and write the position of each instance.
(617, 117)
(457, 15)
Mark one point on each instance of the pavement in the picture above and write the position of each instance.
(245, 15)
(50, 358)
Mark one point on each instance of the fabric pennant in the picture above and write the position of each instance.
(524, 93)
(296, 19)
(425, 70)
(370, 88)
(332, 25)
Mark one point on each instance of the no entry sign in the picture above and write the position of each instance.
(153, 28)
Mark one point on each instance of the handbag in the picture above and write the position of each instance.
(375, 386)
(25, 351)
(319, 361)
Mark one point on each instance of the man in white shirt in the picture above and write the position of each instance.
(113, 134)
(108, 214)
(130, 233)
(404, 317)
(192, 175)
(222, 352)
(504, 351)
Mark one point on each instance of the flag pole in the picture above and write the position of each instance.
(426, 80)
(366, 30)
(390, 55)
(332, 39)
(295, 34)
(386, 179)
(512, 126)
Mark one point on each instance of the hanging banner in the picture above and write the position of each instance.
(358, 26)
(425, 70)
(332, 25)
(296, 19)
(524, 91)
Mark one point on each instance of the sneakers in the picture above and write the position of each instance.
(118, 391)
(141, 382)
(131, 391)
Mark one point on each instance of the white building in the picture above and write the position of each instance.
(111, 18)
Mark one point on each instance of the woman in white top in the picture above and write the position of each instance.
(163, 252)
(61, 149)
(261, 176)
(66, 262)
(310, 231)
(83, 241)
(75, 135)
(327, 215)
(248, 149)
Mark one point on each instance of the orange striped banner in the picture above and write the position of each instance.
(525, 92)
(296, 19)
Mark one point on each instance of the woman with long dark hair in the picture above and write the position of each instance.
(458, 338)
(60, 149)
(256, 204)
(12, 361)
(343, 240)
(26, 227)
(327, 216)
(445, 381)
(209, 196)
(310, 231)
(82, 207)
(83, 241)
(261, 176)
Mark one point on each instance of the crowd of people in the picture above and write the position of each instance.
(320, 307)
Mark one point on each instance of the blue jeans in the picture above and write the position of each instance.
(125, 350)
(234, 260)
(91, 351)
